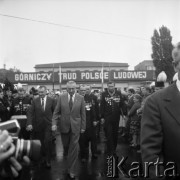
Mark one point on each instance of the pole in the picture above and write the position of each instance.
(109, 73)
(60, 78)
(102, 77)
(53, 76)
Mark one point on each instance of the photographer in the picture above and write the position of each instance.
(7, 149)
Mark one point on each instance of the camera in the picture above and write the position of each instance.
(30, 148)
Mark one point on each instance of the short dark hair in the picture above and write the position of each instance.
(40, 87)
(131, 91)
(110, 82)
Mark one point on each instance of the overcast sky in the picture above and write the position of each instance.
(82, 30)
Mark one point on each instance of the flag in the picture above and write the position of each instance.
(60, 74)
(102, 75)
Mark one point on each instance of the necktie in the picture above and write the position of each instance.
(70, 103)
(42, 103)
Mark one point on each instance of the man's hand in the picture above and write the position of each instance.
(29, 128)
(82, 130)
(102, 120)
(15, 166)
(54, 128)
(95, 123)
(7, 148)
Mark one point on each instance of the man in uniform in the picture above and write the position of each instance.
(91, 106)
(20, 106)
(112, 105)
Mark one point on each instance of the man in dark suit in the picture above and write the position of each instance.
(71, 109)
(160, 134)
(39, 120)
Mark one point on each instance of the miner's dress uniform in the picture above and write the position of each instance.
(20, 106)
(89, 135)
(110, 108)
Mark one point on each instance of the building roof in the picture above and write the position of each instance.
(145, 61)
(81, 64)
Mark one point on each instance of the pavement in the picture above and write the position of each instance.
(93, 169)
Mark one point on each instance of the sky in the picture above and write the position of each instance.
(52, 31)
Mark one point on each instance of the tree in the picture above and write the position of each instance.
(162, 48)
(8, 85)
(14, 70)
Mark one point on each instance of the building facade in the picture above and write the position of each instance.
(146, 65)
(55, 76)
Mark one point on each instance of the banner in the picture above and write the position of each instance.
(80, 76)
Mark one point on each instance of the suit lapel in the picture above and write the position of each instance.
(39, 102)
(47, 102)
(172, 102)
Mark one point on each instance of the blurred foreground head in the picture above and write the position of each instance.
(176, 57)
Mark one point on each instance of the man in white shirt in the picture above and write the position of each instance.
(71, 109)
(39, 121)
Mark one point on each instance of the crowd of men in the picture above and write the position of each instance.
(79, 117)
(147, 117)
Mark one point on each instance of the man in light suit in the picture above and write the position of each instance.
(160, 133)
(39, 121)
(71, 109)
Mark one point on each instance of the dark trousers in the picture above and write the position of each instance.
(24, 134)
(89, 136)
(45, 136)
(111, 127)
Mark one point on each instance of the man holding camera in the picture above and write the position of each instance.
(7, 150)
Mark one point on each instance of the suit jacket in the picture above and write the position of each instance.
(74, 119)
(133, 111)
(160, 131)
(37, 117)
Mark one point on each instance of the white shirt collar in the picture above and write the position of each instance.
(45, 97)
(178, 84)
(72, 97)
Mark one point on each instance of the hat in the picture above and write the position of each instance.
(14, 91)
(159, 84)
(1, 85)
(137, 96)
(162, 77)
(57, 93)
(19, 86)
(175, 77)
